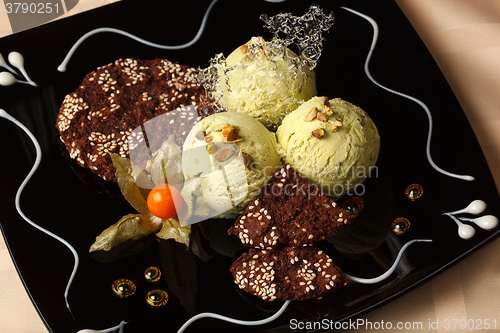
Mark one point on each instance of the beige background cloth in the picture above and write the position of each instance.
(464, 38)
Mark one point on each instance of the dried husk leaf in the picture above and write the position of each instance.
(172, 229)
(187, 193)
(124, 249)
(129, 227)
(127, 182)
(166, 165)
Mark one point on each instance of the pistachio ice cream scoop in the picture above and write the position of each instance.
(333, 143)
(264, 80)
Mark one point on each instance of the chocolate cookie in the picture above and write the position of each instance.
(289, 211)
(101, 115)
(288, 273)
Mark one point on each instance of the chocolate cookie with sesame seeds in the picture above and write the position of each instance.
(112, 101)
(289, 211)
(288, 273)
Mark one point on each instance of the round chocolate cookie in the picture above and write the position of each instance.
(102, 114)
(288, 273)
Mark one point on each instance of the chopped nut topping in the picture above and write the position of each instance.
(244, 48)
(321, 116)
(336, 125)
(248, 161)
(311, 114)
(327, 110)
(230, 134)
(224, 154)
(318, 133)
(218, 127)
(200, 135)
(227, 131)
(233, 141)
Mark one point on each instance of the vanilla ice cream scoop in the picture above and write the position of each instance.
(235, 155)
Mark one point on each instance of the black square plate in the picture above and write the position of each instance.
(63, 198)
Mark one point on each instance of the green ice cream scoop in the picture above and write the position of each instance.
(333, 143)
(264, 81)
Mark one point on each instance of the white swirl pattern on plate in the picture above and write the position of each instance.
(464, 231)
(16, 59)
(391, 269)
(62, 66)
(419, 102)
(7, 116)
(119, 327)
(286, 303)
(476, 207)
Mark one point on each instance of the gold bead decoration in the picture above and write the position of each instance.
(400, 225)
(353, 205)
(156, 298)
(152, 274)
(123, 288)
(414, 191)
